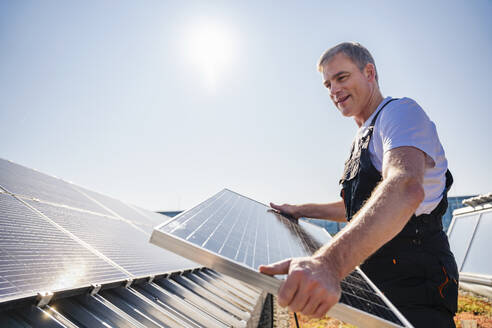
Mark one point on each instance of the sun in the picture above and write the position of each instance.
(211, 49)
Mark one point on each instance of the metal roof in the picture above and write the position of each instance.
(478, 200)
(198, 298)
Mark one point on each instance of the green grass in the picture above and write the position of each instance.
(469, 308)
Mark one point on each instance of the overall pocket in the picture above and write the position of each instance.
(448, 289)
(444, 275)
(401, 278)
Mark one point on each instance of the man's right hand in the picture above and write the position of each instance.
(292, 210)
(311, 288)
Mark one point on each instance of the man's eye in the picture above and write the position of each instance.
(342, 78)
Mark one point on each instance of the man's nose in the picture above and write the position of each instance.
(335, 88)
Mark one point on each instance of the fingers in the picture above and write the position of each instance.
(309, 289)
(301, 292)
(281, 267)
(289, 288)
(313, 301)
(297, 293)
(276, 207)
(285, 209)
(322, 310)
(318, 297)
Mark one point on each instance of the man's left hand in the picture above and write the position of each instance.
(311, 287)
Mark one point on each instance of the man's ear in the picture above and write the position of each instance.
(370, 72)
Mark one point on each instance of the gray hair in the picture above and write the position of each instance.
(353, 50)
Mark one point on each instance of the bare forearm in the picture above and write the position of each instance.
(380, 219)
(331, 211)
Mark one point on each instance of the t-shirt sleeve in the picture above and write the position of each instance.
(406, 124)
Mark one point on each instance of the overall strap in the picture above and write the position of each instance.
(441, 208)
(358, 145)
(364, 142)
(373, 122)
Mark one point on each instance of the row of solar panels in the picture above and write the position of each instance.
(469, 238)
(55, 236)
(66, 242)
(200, 298)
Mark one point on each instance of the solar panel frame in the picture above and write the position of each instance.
(270, 284)
(460, 251)
(478, 247)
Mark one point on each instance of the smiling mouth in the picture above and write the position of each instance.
(342, 100)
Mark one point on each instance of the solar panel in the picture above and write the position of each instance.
(234, 235)
(121, 242)
(145, 219)
(29, 183)
(55, 236)
(36, 256)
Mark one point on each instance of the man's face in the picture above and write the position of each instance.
(350, 89)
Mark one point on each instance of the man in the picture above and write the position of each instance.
(394, 190)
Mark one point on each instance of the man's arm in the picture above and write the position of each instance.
(312, 286)
(331, 211)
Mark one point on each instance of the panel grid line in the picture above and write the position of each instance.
(242, 237)
(232, 228)
(218, 225)
(110, 210)
(78, 240)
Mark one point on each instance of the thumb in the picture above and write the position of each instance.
(281, 267)
(275, 206)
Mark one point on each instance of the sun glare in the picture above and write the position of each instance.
(211, 49)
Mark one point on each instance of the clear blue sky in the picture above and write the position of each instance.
(164, 103)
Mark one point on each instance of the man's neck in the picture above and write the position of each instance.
(372, 104)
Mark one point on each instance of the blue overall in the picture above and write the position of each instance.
(416, 269)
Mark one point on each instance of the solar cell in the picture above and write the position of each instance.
(124, 244)
(142, 218)
(26, 182)
(234, 235)
(36, 256)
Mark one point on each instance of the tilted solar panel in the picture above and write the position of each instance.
(145, 219)
(36, 256)
(234, 235)
(23, 181)
(121, 242)
(56, 236)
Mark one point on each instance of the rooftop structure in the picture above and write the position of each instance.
(469, 238)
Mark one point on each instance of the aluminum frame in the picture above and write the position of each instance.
(470, 277)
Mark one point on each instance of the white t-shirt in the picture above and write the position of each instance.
(404, 123)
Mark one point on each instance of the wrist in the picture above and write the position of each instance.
(297, 211)
(330, 261)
